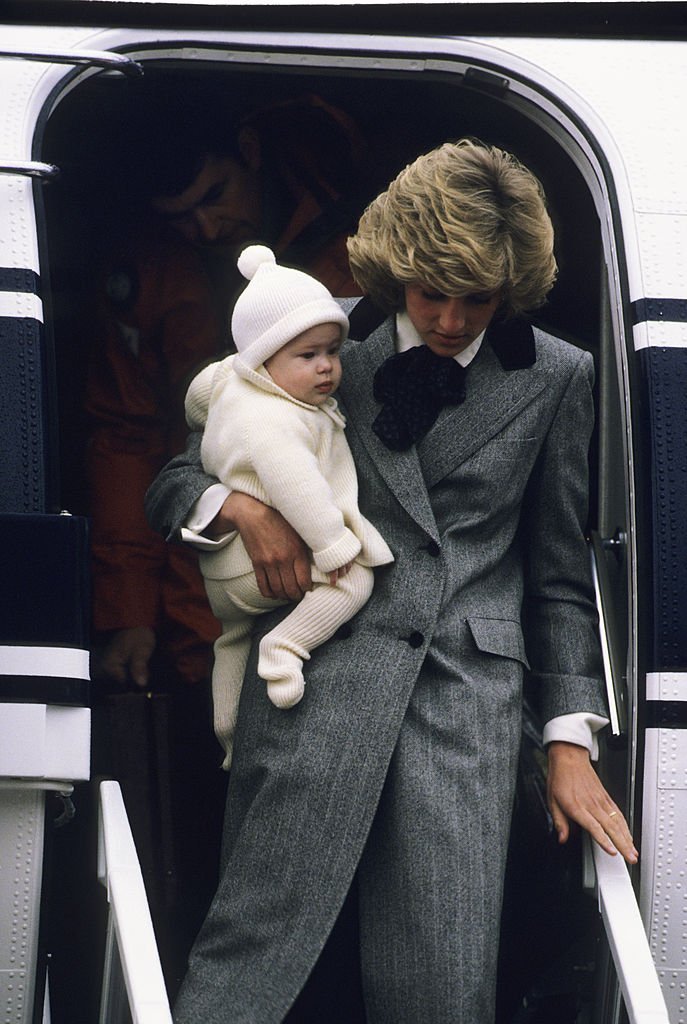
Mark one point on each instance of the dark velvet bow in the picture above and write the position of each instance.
(413, 387)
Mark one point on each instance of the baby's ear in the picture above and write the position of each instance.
(250, 148)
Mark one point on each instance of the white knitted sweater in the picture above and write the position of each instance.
(290, 455)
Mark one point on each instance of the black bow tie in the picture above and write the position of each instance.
(413, 387)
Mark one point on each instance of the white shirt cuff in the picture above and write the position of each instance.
(202, 512)
(580, 728)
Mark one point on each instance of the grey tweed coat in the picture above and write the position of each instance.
(399, 763)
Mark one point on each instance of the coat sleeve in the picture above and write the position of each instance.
(172, 494)
(560, 618)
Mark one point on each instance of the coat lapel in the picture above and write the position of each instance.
(400, 470)
(496, 394)
(503, 379)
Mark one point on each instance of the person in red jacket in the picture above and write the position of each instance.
(163, 301)
(195, 185)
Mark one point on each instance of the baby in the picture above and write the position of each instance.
(272, 429)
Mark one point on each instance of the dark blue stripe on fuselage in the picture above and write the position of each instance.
(659, 311)
(23, 424)
(666, 714)
(44, 690)
(665, 374)
(17, 279)
(23, 476)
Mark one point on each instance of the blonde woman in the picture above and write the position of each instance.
(470, 432)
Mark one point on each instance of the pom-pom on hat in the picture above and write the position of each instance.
(277, 305)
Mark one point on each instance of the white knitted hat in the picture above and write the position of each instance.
(276, 305)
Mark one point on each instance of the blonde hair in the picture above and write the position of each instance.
(465, 218)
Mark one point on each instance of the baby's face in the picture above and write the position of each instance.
(308, 367)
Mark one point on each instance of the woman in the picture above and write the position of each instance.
(398, 766)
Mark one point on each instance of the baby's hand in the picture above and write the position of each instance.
(338, 574)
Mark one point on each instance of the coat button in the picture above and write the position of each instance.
(416, 639)
(433, 549)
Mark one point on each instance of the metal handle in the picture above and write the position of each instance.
(612, 676)
(31, 169)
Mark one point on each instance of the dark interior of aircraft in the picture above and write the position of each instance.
(88, 139)
(549, 926)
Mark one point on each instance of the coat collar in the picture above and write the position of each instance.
(503, 379)
(513, 343)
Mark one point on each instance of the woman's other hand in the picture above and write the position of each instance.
(575, 793)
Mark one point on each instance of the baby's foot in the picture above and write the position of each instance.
(286, 692)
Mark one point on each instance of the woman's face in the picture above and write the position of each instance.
(448, 324)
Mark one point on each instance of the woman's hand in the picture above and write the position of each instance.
(575, 793)
(280, 558)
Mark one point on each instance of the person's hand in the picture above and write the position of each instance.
(576, 794)
(339, 573)
(126, 657)
(280, 558)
